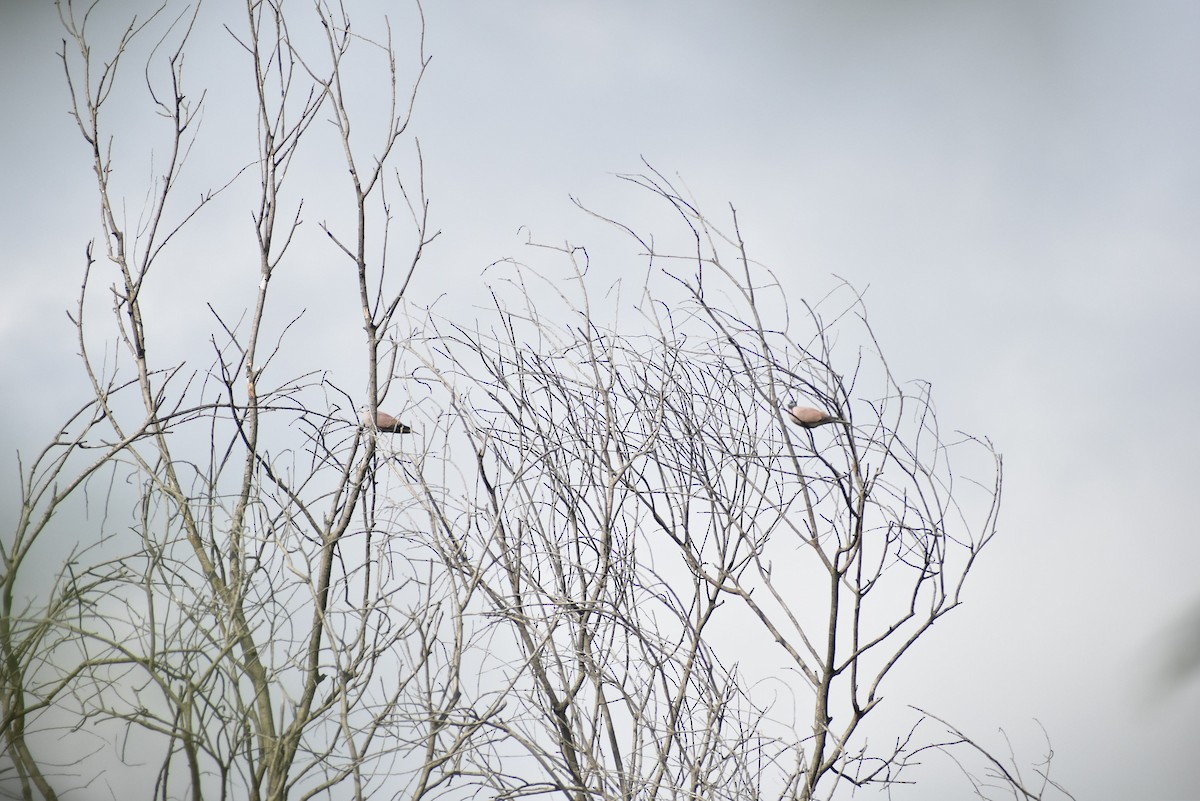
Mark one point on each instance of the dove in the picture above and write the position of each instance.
(385, 424)
(808, 417)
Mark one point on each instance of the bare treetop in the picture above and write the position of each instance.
(577, 582)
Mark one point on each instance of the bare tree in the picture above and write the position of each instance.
(254, 636)
(645, 517)
(605, 564)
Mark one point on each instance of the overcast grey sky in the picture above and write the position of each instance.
(1017, 183)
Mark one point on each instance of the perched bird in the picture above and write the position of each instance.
(385, 424)
(808, 417)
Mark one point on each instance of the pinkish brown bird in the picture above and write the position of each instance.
(386, 424)
(808, 417)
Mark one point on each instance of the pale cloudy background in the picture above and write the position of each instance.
(1018, 183)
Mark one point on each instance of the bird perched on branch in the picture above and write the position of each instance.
(808, 417)
(385, 424)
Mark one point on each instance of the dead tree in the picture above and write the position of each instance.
(644, 523)
(248, 631)
(596, 560)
